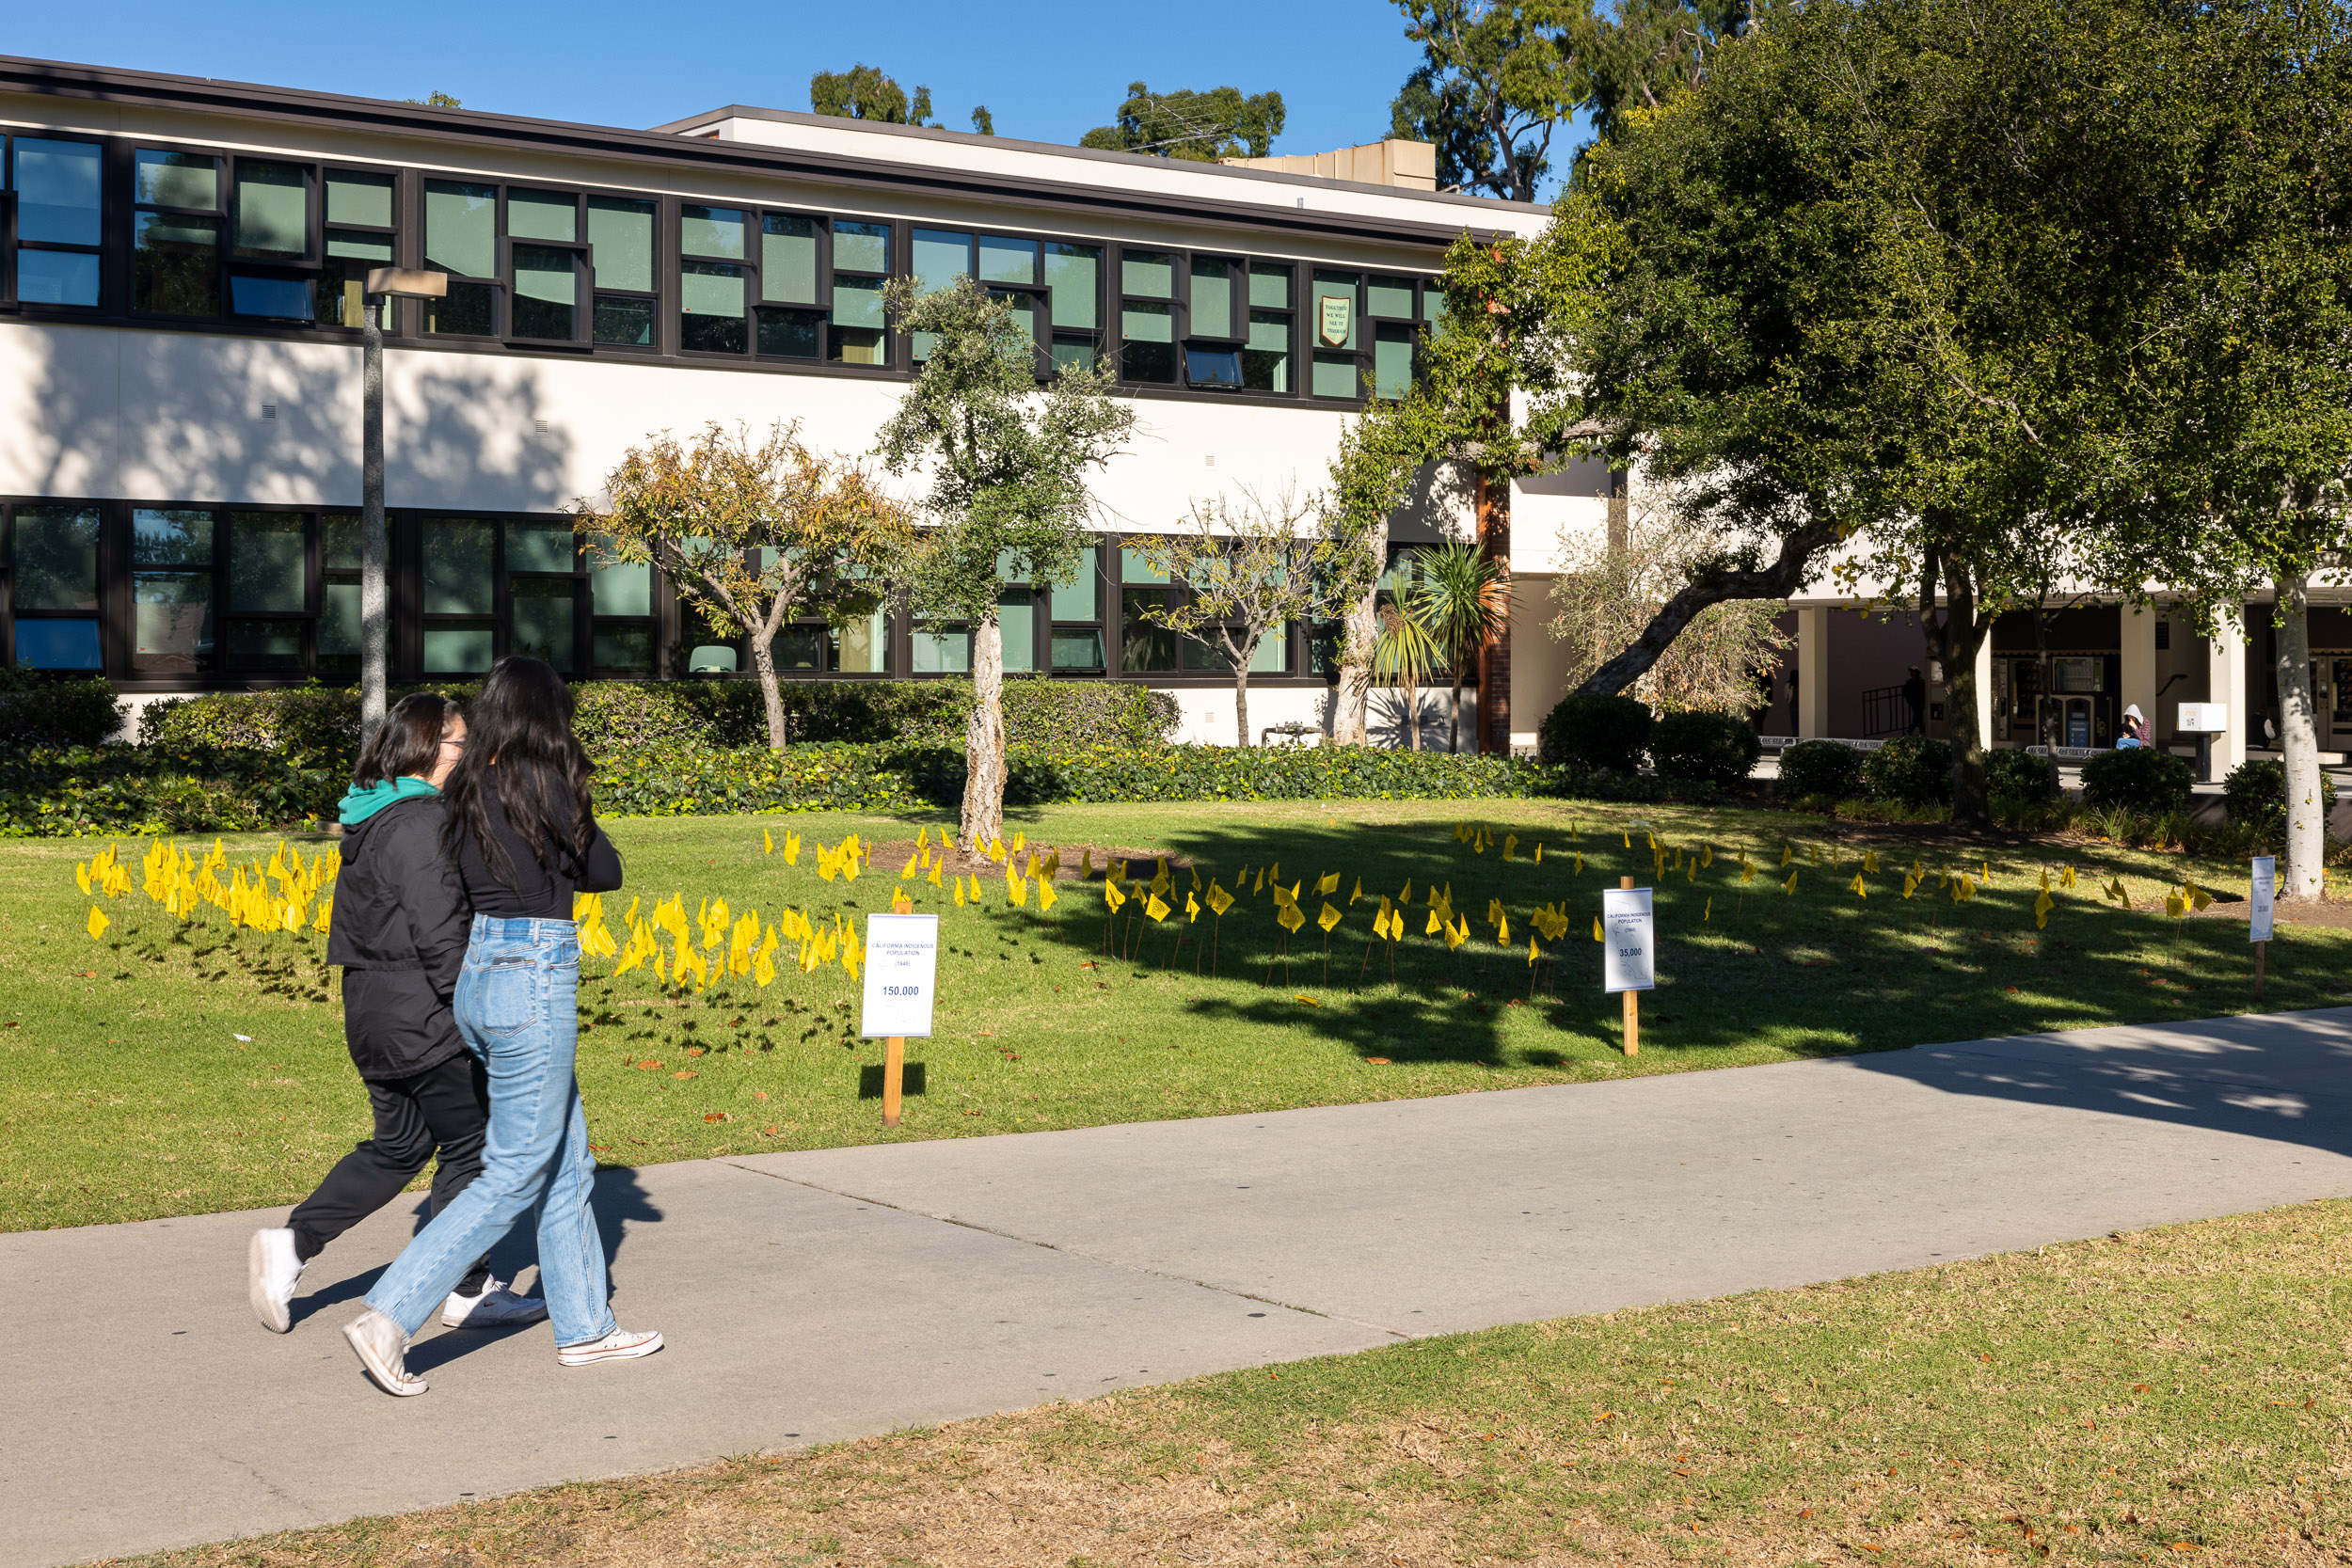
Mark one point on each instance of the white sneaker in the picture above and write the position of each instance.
(496, 1307)
(383, 1349)
(271, 1273)
(619, 1345)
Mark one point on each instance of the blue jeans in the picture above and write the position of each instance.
(516, 1007)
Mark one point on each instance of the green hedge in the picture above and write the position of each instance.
(48, 792)
(37, 709)
(317, 726)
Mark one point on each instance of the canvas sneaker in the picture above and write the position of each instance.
(383, 1349)
(496, 1307)
(619, 1345)
(271, 1273)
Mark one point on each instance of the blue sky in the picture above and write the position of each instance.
(1049, 72)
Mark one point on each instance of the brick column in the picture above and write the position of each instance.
(1494, 657)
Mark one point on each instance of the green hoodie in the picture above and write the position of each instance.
(359, 804)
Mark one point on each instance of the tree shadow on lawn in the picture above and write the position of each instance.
(1745, 967)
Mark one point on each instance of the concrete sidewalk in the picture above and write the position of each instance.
(812, 1297)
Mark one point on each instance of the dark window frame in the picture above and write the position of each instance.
(12, 244)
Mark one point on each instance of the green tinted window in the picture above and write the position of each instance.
(361, 199)
(1149, 273)
(177, 180)
(461, 227)
(620, 236)
(273, 214)
(861, 248)
(542, 215)
(1075, 273)
(788, 259)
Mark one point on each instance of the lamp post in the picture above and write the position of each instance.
(374, 595)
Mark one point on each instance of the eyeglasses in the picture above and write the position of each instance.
(460, 745)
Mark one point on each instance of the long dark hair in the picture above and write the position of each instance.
(408, 742)
(519, 743)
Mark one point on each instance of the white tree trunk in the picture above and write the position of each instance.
(1241, 701)
(2305, 876)
(1351, 719)
(984, 738)
(764, 661)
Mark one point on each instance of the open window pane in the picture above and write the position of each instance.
(620, 319)
(1389, 296)
(57, 278)
(1145, 647)
(1150, 273)
(543, 610)
(624, 648)
(265, 563)
(1075, 273)
(620, 235)
(174, 265)
(710, 297)
(162, 537)
(1265, 364)
(264, 644)
(288, 298)
(470, 309)
(711, 231)
(858, 324)
(861, 248)
(1077, 648)
(173, 622)
(1212, 299)
(177, 180)
(941, 257)
(459, 558)
(1213, 367)
(861, 646)
(456, 650)
(56, 644)
(788, 259)
(461, 227)
(57, 557)
(342, 287)
(56, 192)
(273, 211)
(365, 200)
(542, 215)
(1270, 288)
(1007, 261)
(1147, 346)
(547, 293)
(1076, 351)
(790, 334)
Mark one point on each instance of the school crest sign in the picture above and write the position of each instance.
(1333, 322)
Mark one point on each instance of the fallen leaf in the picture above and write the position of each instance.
(685, 1075)
(769, 1131)
(1377, 1061)
(759, 1094)
(600, 1149)
(647, 1067)
(2139, 1388)
(717, 1116)
(693, 1051)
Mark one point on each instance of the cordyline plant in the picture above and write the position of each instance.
(1007, 461)
(756, 538)
(1249, 568)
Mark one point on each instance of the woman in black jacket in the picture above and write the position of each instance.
(398, 931)
(523, 833)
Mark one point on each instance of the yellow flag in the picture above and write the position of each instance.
(937, 866)
(2066, 876)
(97, 922)
(791, 848)
(1706, 855)
(1327, 883)
(1708, 912)
(1019, 842)
(1531, 952)
(1356, 892)
(1112, 896)
(1628, 844)
(1787, 852)
(1329, 917)
(1045, 895)
(1085, 863)
(1406, 895)
(1870, 861)
(975, 887)
(1016, 888)
(1435, 924)
(1790, 886)
(1259, 886)
(1860, 891)
(1192, 907)
(1597, 936)
(1502, 932)
(1576, 868)
(922, 837)
(996, 850)
(1155, 908)
(1510, 846)
(1540, 851)
(1219, 900)
(1291, 919)
(767, 841)
(1275, 871)
(959, 892)
(915, 863)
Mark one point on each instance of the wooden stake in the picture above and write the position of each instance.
(1632, 1005)
(894, 1077)
(2258, 969)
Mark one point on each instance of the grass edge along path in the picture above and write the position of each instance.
(176, 1077)
(2177, 1394)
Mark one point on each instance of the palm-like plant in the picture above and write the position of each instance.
(1402, 656)
(1460, 601)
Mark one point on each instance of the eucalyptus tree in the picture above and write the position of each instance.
(1006, 463)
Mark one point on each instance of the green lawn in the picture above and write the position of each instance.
(2172, 1395)
(128, 1095)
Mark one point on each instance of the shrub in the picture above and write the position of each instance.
(2015, 774)
(2140, 779)
(1596, 732)
(1820, 768)
(1705, 747)
(38, 709)
(72, 791)
(1911, 768)
(2254, 795)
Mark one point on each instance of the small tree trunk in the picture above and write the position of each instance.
(1351, 719)
(2298, 747)
(1241, 698)
(1958, 641)
(984, 738)
(1453, 712)
(764, 661)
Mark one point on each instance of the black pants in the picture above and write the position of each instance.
(444, 1108)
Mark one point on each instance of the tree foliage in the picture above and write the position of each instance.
(1005, 464)
(755, 537)
(1498, 80)
(1199, 126)
(866, 92)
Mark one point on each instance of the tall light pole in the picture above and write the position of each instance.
(374, 591)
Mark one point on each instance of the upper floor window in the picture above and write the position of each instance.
(856, 332)
(361, 213)
(54, 197)
(52, 583)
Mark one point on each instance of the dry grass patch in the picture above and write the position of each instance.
(2176, 1394)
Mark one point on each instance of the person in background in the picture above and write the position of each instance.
(2135, 729)
(522, 832)
(398, 931)
(1915, 703)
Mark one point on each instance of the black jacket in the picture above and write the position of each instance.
(399, 930)
(537, 891)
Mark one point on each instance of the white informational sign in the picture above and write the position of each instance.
(901, 972)
(2265, 890)
(2204, 717)
(1628, 939)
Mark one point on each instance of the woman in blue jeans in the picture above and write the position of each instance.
(521, 832)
